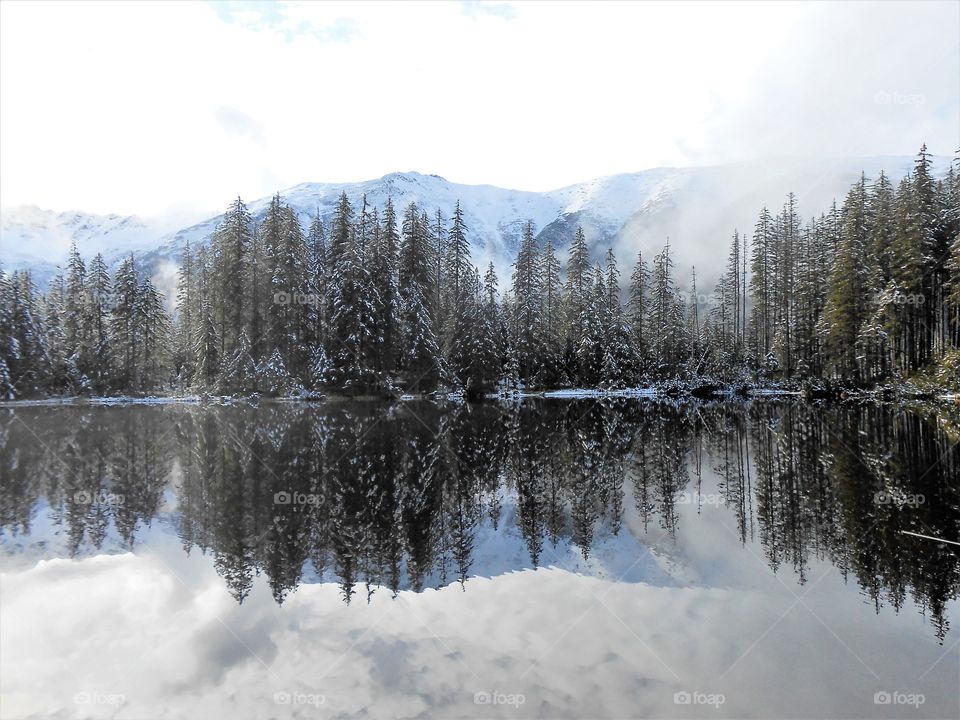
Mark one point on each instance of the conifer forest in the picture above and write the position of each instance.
(387, 300)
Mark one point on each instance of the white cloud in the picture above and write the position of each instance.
(114, 107)
(159, 633)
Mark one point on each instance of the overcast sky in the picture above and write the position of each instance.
(145, 108)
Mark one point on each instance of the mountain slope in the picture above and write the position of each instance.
(697, 208)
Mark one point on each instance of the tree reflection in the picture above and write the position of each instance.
(373, 495)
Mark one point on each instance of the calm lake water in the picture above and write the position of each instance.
(553, 558)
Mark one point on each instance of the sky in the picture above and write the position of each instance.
(156, 108)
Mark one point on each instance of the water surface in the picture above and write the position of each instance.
(553, 558)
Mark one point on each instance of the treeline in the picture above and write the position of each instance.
(375, 303)
(90, 333)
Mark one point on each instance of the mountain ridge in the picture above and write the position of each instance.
(697, 207)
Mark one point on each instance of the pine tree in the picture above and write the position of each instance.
(207, 350)
(527, 318)
(787, 231)
(763, 263)
(579, 277)
(637, 313)
(491, 341)
(385, 280)
(155, 331)
(240, 373)
(99, 293)
(458, 270)
(592, 345)
(76, 347)
(62, 373)
(419, 352)
(437, 240)
(617, 367)
(666, 318)
(232, 258)
(7, 389)
(124, 323)
(186, 321)
(553, 320)
(353, 305)
(849, 283)
(317, 281)
(28, 360)
(273, 377)
(289, 322)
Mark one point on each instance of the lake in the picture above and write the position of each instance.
(567, 558)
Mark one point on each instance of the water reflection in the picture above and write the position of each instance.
(395, 496)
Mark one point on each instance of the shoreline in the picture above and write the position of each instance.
(639, 393)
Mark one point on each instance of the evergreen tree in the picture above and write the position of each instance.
(763, 264)
(317, 281)
(637, 312)
(666, 318)
(183, 361)
(76, 346)
(849, 283)
(527, 320)
(99, 294)
(124, 323)
(232, 256)
(353, 305)
(419, 352)
(385, 281)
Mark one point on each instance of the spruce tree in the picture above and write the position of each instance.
(637, 313)
(419, 352)
(528, 311)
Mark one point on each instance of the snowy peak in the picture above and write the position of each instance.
(31, 237)
(698, 208)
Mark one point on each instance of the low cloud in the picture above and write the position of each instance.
(238, 123)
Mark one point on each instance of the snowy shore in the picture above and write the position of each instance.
(648, 393)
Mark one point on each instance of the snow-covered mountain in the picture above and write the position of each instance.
(38, 239)
(697, 208)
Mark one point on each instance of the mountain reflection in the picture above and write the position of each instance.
(393, 496)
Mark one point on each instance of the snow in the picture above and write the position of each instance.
(39, 239)
(576, 393)
(697, 208)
